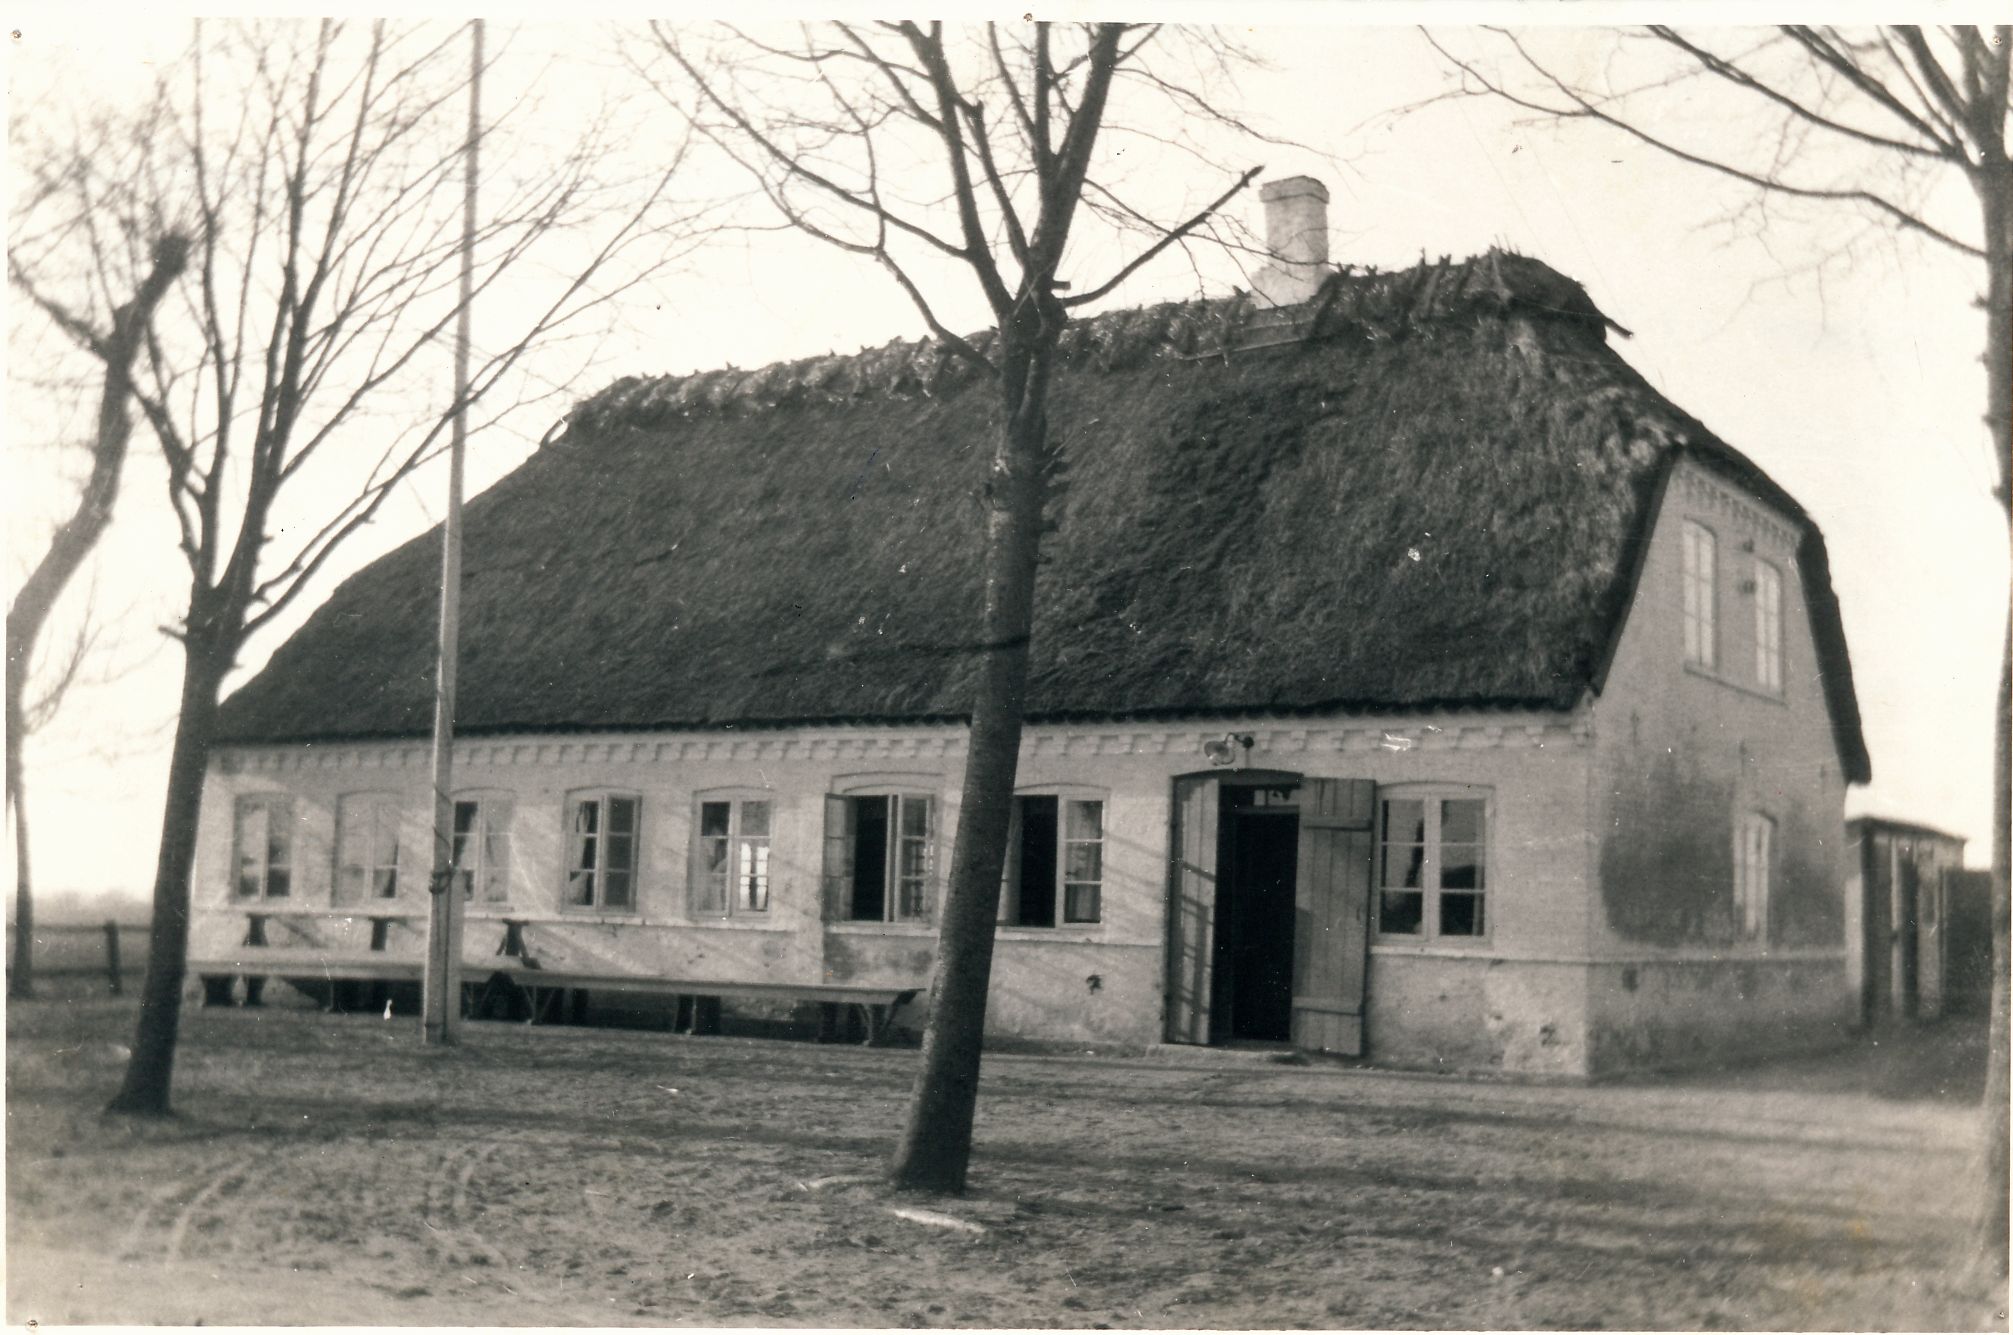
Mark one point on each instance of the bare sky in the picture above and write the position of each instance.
(1857, 387)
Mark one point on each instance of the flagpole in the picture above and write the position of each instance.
(441, 998)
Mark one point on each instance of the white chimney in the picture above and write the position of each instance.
(1296, 234)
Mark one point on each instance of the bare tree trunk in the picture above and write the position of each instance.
(1996, 194)
(21, 969)
(150, 1071)
(70, 544)
(936, 1144)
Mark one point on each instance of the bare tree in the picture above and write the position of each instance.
(115, 346)
(929, 153)
(1869, 121)
(313, 169)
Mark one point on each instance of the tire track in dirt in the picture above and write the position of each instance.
(451, 1189)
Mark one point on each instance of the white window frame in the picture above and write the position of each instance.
(373, 820)
(1768, 626)
(745, 871)
(277, 810)
(1753, 874)
(1699, 579)
(597, 875)
(1430, 866)
(486, 859)
(1059, 917)
(841, 852)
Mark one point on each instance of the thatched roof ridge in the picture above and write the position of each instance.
(1423, 490)
(1364, 303)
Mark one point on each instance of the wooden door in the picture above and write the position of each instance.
(1331, 930)
(1191, 908)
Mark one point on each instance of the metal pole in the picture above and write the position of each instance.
(441, 998)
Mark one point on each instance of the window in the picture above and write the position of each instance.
(880, 857)
(730, 856)
(1767, 626)
(263, 847)
(366, 847)
(601, 851)
(1432, 862)
(1055, 862)
(1754, 849)
(1701, 600)
(482, 848)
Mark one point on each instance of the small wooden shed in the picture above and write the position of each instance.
(1899, 884)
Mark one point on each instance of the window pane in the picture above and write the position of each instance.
(384, 882)
(1080, 903)
(622, 815)
(1461, 915)
(1461, 867)
(713, 818)
(1404, 864)
(915, 858)
(755, 875)
(621, 855)
(1404, 821)
(1035, 903)
(1084, 862)
(870, 858)
(1462, 820)
(1085, 820)
(251, 848)
(615, 889)
(586, 816)
(580, 888)
(278, 882)
(915, 899)
(1399, 912)
(464, 820)
(754, 818)
(915, 817)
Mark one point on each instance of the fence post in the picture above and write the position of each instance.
(112, 953)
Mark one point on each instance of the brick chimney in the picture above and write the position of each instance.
(1296, 234)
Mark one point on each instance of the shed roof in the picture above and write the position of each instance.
(1424, 489)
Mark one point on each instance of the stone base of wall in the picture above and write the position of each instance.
(1512, 1017)
(1666, 1014)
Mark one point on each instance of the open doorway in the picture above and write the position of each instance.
(1258, 834)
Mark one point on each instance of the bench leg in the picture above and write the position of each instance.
(216, 990)
(255, 990)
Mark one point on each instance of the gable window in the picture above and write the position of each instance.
(366, 847)
(601, 850)
(262, 847)
(1701, 599)
(1767, 626)
(1432, 865)
(1753, 858)
(482, 847)
(730, 856)
(880, 857)
(1055, 863)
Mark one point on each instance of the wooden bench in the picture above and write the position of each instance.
(697, 1009)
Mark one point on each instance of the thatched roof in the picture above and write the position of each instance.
(1424, 489)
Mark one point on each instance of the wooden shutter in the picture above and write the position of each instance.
(838, 859)
(1331, 930)
(1191, 909)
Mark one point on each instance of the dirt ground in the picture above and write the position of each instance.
(330, 1170)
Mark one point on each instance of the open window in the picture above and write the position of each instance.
(1054, 874)
(730, 854)
(262, 846)
(601, 846)
(482, 846)
(1432, 863)
(880, 857)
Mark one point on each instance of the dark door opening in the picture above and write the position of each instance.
(1257, 856)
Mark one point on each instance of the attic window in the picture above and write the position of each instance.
(1701, 595)
(1767, 626)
